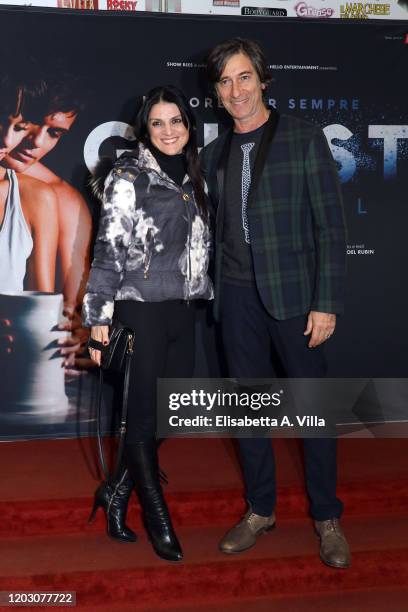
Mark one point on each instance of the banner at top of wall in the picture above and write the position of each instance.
(303, 9)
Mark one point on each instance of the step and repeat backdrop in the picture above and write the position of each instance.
(321, 9)
(85, 73)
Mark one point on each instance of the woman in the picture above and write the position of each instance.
(150, 264)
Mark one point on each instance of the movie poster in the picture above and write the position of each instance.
(79, 104)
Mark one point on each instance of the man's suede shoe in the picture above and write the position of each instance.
(245, 533)
(334, 550)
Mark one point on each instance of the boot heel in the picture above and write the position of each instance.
(94, 510)
(113, 499)
(270, 527)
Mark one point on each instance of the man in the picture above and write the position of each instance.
(280, 268)
(49, 109)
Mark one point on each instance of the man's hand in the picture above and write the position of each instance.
(101, 334)
(321, 325)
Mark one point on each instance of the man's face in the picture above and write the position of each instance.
(38, 140)
(240, 89)
(12, 131)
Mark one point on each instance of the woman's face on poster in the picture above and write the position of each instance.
(12, 132)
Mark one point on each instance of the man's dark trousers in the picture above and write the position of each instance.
(252, 341)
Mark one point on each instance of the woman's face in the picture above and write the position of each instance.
(166, 128)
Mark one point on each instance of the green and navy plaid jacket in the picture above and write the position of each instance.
(295, 217)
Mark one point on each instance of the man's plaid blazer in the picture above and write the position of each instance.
(295, 217)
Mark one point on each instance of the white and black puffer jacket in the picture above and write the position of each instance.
(152, 244)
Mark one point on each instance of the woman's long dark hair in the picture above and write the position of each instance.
(168, 93)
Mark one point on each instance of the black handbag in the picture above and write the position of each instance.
(115, 357)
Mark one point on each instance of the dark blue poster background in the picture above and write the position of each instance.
(348, 77)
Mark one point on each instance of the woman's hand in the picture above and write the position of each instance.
(101, 334)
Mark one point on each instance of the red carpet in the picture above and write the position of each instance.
(47, 544)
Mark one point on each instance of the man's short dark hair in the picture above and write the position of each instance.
(35, 91)
(47, 94)
(10, 98)
(221, 53)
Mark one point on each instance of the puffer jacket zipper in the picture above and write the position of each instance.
(186, 199)
(148, 256)
(148, 253)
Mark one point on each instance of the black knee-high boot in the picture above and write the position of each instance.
(113, 498)
(143, 464)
